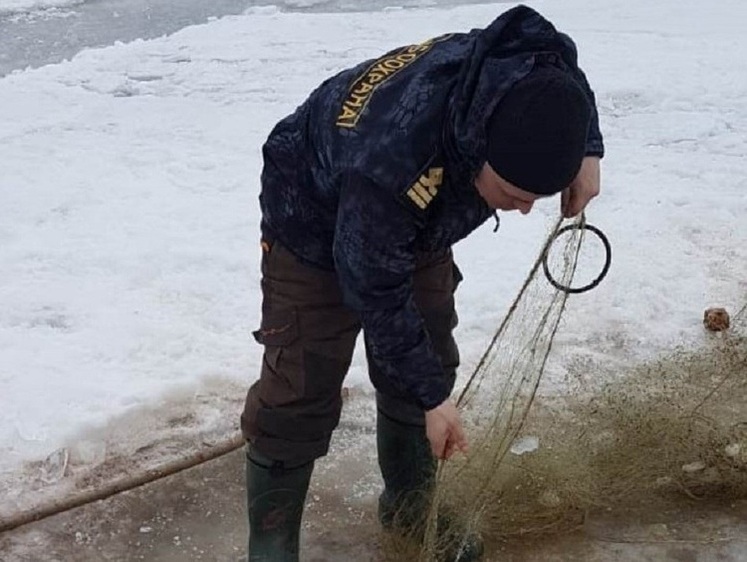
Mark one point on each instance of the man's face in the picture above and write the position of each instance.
(501, 194)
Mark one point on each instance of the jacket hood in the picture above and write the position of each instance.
(503, 53)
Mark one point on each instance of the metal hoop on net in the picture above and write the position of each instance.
(607, 260)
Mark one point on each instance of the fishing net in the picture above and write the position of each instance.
(672, 429)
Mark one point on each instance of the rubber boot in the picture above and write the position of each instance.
(408, 468)
(275, 501)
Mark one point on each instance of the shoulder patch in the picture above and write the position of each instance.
(425, 189)
(360, 91)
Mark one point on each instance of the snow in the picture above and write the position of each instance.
(524, 445)
(18, 6)
(129, 282)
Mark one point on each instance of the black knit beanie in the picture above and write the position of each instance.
(536, 136)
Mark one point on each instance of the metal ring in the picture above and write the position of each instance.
(605, 269)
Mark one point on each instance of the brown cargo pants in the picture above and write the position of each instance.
(309, 337)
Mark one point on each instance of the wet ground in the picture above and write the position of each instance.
(199, 515)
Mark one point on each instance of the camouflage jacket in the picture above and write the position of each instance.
(377, 165)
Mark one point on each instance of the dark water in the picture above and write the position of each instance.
(54, 35)
(50, 36)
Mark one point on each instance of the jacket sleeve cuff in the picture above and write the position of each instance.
(434, 401)
(595, 148)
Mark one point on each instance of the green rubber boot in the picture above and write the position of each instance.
(408, 468)
(275, 501)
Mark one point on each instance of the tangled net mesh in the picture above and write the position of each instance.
(668, 431)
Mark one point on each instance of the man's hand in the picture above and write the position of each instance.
(583, 189)
(443, 426)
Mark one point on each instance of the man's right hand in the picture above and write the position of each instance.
(443, 426)
(584, 188)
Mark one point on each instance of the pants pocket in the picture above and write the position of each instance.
(282, 378)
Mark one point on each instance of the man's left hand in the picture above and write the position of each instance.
(443, 426)
(583, 189)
